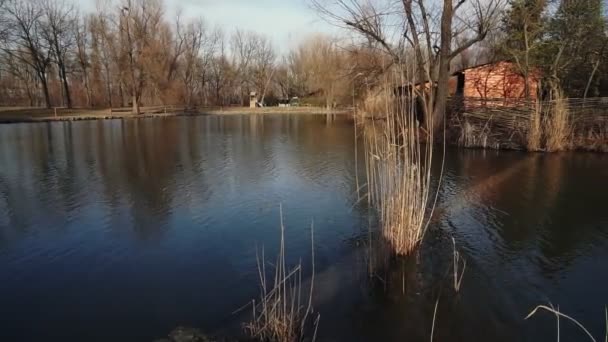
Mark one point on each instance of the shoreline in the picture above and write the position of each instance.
(26, 115)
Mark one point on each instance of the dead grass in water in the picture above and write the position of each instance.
(399, 153)
(281, 313)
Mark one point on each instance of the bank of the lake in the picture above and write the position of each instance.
(26, 114)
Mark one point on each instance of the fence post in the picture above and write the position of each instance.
(55, 111)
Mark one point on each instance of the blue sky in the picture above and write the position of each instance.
(286, 22)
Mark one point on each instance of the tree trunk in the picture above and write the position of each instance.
(66, 86)
(135, 105)
(441, 96)
(595, 67)
(29, 94)
(45, 90)
(87, 88)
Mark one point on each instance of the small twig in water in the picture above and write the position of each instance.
(434, 317)
(457, 258)
(559, 314)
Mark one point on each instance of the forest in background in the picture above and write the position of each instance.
(126, 52)
(131, 53)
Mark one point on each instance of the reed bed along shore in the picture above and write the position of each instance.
(552, 125)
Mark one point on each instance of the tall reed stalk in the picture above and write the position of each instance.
(557, 124)
(535, 129)
(398, 159)
(282, 314)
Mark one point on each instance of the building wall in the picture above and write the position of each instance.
(495, 81)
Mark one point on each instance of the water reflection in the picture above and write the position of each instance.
(160, 218)
(122, 230)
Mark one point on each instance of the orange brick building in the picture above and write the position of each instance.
(499, 82)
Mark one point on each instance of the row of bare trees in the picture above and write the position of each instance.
(129, 53)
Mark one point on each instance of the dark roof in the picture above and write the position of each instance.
(479, 66)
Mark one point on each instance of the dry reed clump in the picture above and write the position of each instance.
(557, 123)
(476, 136)
(281, 314)
(592, 137)
(374, 104)
(399, 153)
(467, 136)
(535, 129)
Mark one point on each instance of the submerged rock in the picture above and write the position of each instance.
(185, 334)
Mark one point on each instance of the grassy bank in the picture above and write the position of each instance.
(29, 114)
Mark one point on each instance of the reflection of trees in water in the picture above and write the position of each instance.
(399, 300)
(545, 204)
(39, 174)
(575, 216)
(15, 216)
(552, 209)
(54, 169)
(148, 161)
(249, 147)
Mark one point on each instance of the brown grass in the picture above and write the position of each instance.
(592, 137)
(281, 315)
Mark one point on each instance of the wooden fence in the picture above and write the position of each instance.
(505, 123)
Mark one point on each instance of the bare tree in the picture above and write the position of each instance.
(243, 47)
(200, 47)
(103, 55)
(3, 21)
(262, 68)
(82, 55)
(25, 41)
(59, 32)
(134, 54)
(211, 44)
(194, 38)
(139, 22)
(321, 64)
(428, 29)
(21, 73)
(222, 73)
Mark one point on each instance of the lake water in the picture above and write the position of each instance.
(123, 230)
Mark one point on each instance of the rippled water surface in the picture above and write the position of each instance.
(123, 230)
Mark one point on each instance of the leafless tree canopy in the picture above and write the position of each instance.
(424, 34)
